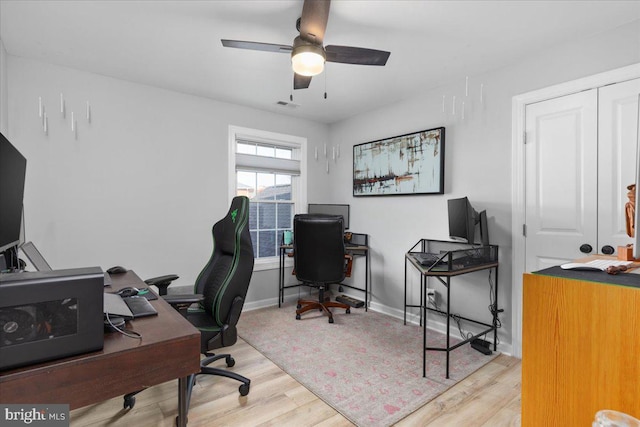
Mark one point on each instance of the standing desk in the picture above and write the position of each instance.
(457, 259)
(169, 349)
(355, 250)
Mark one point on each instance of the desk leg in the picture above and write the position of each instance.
(423, 311)
(281, 279)
(495, 314)
(367, 272)
(405, 291)
(184, 396)
(448, 322)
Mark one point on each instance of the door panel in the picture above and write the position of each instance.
(617, 140)
(561, 179)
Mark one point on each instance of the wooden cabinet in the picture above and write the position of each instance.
(580, 350)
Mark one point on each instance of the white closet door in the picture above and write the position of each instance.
(617, 140)
(561, 179)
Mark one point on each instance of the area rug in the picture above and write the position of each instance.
(366, 365)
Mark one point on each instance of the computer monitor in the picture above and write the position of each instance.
(463, 219)
(331, 209)
(13, 167)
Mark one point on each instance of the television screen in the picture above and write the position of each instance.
(13, 167)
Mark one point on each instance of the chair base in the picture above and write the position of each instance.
(305, 305)
(207, 370)
(130, 399)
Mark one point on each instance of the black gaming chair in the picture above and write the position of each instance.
(220, 290)
(319, 258)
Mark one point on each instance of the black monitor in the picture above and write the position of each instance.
(463, 219)
(13, 167)
(329, 209)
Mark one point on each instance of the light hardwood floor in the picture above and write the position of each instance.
(488, 397)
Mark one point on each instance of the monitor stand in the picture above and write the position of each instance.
(7, 260)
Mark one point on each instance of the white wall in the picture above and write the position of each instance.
(142, 184)
(478, 165)
(3, 89)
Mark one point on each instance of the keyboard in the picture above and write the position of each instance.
(425, 258)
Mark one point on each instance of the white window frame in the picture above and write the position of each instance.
(298, 183)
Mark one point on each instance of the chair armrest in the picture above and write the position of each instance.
(162, 282)
(180, 299)
(161, 279)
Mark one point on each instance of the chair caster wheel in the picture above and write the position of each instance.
(330, 319)
(129, 402)
(298, 306)
(297, 317)
(178, 419)
(230, 361)
(340, 288)
(244, 389)
(348, 311)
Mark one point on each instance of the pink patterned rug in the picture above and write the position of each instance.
(366, 365)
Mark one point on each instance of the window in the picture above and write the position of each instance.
(268, 168)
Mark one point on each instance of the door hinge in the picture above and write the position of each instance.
(524, 230)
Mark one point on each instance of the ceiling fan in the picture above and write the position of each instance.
(308, 55)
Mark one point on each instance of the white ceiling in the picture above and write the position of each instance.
(176, 44)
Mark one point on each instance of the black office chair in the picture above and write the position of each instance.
(319, 258)
(220, 290)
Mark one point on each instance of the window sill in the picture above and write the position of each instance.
(272, 263)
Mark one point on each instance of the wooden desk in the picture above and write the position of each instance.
(580, 346)
(169, 349)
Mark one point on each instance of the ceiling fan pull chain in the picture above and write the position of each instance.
(326, 71)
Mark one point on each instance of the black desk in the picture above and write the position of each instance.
(475, 259)
(355, 251)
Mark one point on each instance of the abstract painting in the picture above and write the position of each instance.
(405, 164)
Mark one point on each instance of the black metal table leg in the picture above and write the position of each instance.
(184, 396)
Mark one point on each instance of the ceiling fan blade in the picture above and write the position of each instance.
(301, 82)
(265, 47)
(313, 21)
(356, 55)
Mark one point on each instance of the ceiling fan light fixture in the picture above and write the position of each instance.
(308, 60)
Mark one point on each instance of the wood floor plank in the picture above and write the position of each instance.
(442, 410)
(310, 414)
(488, 397)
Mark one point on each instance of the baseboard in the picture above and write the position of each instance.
(269, 302)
